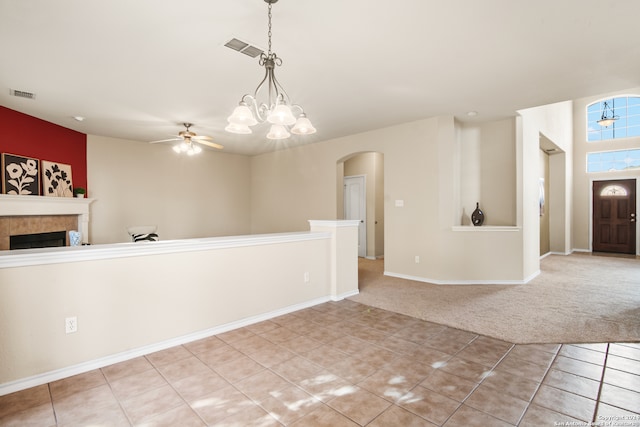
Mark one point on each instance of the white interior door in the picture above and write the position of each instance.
(355, 207)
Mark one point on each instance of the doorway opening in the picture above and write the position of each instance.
(552, 178)
(360, 195)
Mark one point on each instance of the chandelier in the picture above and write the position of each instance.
(275, 107)
(605, 120)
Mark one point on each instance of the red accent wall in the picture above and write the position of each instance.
(28, 136)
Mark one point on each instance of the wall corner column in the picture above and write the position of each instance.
(343, 257)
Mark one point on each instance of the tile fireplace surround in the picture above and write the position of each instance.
(40, 214)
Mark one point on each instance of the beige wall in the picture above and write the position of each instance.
(582, 197)
(420, 166)
(137, 183)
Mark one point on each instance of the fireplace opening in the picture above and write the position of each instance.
(38, 240)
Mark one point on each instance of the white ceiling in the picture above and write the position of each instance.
(136, 69)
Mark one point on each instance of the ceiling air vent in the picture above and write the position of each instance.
(22, 94)
(243, 47)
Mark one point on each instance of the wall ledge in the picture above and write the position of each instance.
(485, 228)
(334, 223)
(30, 257)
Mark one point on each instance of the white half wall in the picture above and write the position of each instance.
(132, 298)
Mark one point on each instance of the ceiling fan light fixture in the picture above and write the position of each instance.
(276, 109)
(189, 142)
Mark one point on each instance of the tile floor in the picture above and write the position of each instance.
(347, 364)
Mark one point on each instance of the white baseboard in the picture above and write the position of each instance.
(462, 282)
(47, 377)
(345, 295)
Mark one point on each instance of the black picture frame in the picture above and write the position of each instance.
(56, 179)
(20, 175)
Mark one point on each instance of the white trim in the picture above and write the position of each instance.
(29, 257)
(554, 253)
(462, 282)
(334, 223)
(345, 295)
(581, 250)
(47, 377)
(11, 205)
(486, 228)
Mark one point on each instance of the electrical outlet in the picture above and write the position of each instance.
(71, 325)
(306, 277)
(417, 259)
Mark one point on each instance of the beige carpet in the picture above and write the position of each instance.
(577, 298)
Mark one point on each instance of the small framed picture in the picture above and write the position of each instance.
(20, 175)
(56, 179)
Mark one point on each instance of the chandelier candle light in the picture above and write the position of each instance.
(277, 110)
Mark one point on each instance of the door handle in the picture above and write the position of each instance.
(633, 218)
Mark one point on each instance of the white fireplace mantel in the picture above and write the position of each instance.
(43, 205)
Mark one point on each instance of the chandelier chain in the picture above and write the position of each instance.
(269, 32)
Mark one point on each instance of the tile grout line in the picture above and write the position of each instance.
(604, 369)
(533, 396)
(53, 408)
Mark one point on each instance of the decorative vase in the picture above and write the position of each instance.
(477, 217)
(75, 238)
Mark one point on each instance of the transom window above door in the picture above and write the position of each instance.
(625, 110)
(613, 161)
(614, 190)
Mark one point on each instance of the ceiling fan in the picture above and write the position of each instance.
(187, 139)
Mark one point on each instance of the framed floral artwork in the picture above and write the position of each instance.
(56, 179)
(20, 175)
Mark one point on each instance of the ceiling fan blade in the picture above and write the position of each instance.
(204, 137)
(211, 144)
(165, 140)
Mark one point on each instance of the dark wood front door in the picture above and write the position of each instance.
(614, 216)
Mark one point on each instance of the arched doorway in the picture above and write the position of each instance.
(369, 166)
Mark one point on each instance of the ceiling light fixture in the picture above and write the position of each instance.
(277, 109)
(605, 120)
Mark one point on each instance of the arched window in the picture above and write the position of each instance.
(625, 110)
(613, 190)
